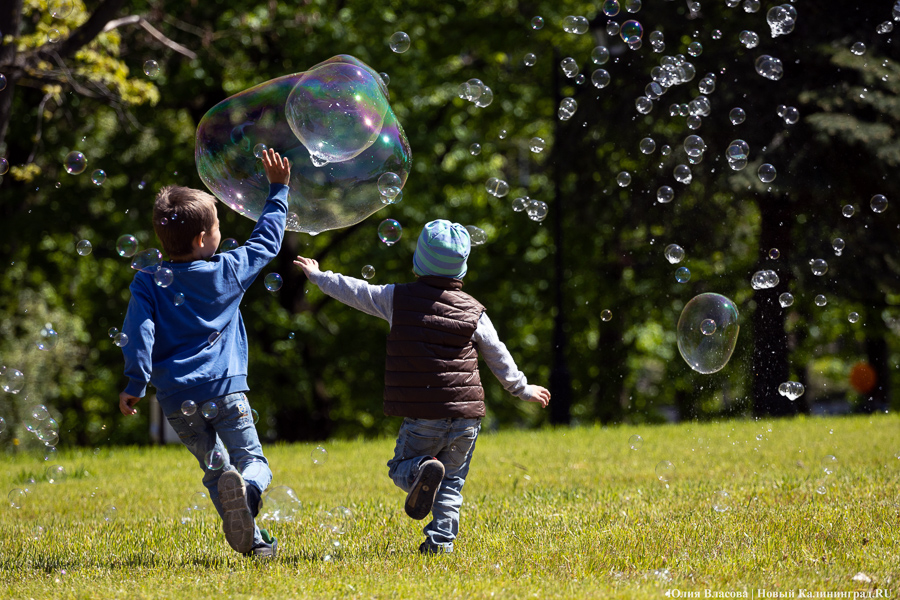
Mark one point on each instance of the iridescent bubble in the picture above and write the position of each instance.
(610, 7)
(721, 501)
(209, 410)
(39, 412)
(623, 179)
(631, 32)
(600, 78)
(56, 474)
(858, 48)
(280, 504)
(496, 187)
(214, 460)
(273, 282)
(399, 42)
(643, 104)
(647, 145)
(164, 277)
(818, 266)
(188, 408)
(766, 173)
(878, 203)
(385, 78)
(820, 300)
(537, 145)
(853, 317)
(75, 163)
(635, 442)
(600, 55)
(838, 245)
(665, 471)
(16, 498)
(390, 231)
(126, 245)
(199, 501)
(476, 235)
(228, 244)
(575, 24)
(112, 332)
(821, 489)
(48, 339)
(151, 69)
(749, 39)
(751, 6)
(665, 194)
(179, 299)
(695, 49)
(259, 150)
(475, 149)
(781, 19)
(682, 174)
(769, 67)
(707, 353)
(147, 261)
(319, 455)
(60, 9)
(605, 315)
(536, 210)
(774, 253)
(737, 116)
(120, 340)
(53, 35)
(98, 176)
(791, 115)
(569, 66)
(785, 299)
(567, 108)
(334, 123)
(682, 275)
(110, 513)
(537, 22)
(521, 203)
(255, 415)
(694, 145)
(368, 272)
(529, 60)
(707, 327)
(674, 253)
(4, 164)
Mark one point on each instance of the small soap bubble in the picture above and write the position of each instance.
(126, 245)
(665, 194)
(120, 340)
(751, 6)
(151, 69)
(605, 315)
(399, 42)
(631, 32)
(47, 340)
(575, 24)
(75, 163)
(791, 115)
(475, 149)
(647, 145)
(821, 489)
(389, 185)
(766, 173)
(774, 253)
(53, 35)
(569, 66)
(368, 272)
(2, 424)
(665, 471)
(179, 299)
(110, 513)
(674, 253)
(255, 415)
(228, 244)
(610, 7)
(273, 282)
(147, 261)
(858, 48)
(737, 116)
(537, 145)
(623, 179)
(60, 9)
(878, 203)
(721, 501)
(885, 27)
(536, 210)
(280, 504)
(11, 380)
(600, 55)
(682, 275)
(682, 174)
(749, 39)
(496, 187)
(818, 266)
(214, 460)
(707, 353)
(600, 78)
(56, 474)
(769, 67)
(643, 104)
(36, 532)
(259, 150)
(502, 134)
(635, 442)
(98, 176)
(188, 408)
(838, 245)
(390, 231)
(476, 235)
(521, 203)
(537, 22)
(112, 332)
(695, 49)
(529, 60)
(829, 464)
(848, 210)
(821, 300)
(16, 498)
(319, 455)
(853, 317)
(164, 277)
(209, 410)
(785, 299)
(633, 6)
(707, 327)
(4, 164)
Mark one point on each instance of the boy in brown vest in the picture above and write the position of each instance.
(431, 374)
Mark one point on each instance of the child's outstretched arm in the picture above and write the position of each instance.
(375, 300)
(539, 394)
(502, 365)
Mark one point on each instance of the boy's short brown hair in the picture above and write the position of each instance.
(180, 214)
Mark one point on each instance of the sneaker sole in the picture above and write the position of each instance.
(237, 522)
(421, 497)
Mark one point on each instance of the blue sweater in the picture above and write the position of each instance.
(198, 350)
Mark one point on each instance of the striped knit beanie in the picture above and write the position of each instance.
(442, 250)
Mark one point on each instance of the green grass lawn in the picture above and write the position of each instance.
(569, 513)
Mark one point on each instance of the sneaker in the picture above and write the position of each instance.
(268, 548)
(237, 522)
(421, 497)
(428, 548)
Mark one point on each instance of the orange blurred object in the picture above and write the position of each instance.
(863, 377)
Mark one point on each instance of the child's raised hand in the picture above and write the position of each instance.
(541, 395)
(307, 265)
(278, 169)
(127, 402)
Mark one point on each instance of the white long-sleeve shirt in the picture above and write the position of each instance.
(378, 301)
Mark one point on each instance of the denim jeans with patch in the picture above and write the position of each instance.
(232, 433)
(451, 441)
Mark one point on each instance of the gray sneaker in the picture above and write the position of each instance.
(237, 522)
(421, 497)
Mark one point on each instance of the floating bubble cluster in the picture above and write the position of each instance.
(707, 353)
(280, 504)
(358, 143)
(763, 280)
(791, 389)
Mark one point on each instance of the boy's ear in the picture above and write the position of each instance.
(197, 242)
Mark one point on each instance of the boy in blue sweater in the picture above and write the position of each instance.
(188, 340)
(431, 373)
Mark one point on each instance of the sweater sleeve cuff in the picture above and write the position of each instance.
(136, 388)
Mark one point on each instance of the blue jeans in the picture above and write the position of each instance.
(452, 442)
(232, 433)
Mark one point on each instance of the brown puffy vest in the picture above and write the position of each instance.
(431, 370)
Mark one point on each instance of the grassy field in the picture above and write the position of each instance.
(569, 513)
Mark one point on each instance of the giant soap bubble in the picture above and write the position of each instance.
(707, 352)
(353, 153)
